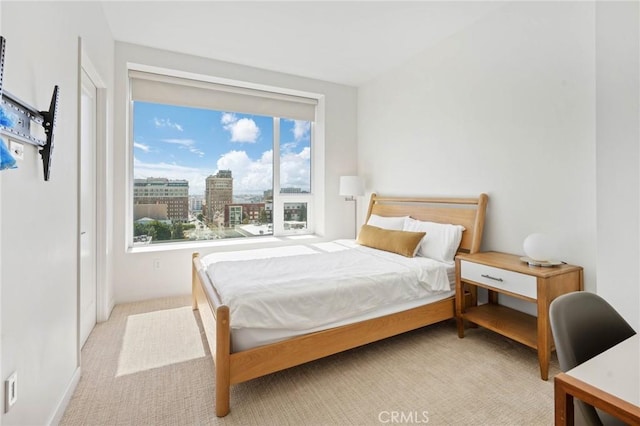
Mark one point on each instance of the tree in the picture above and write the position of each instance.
(177, 231)
(263, 216)
(162, 230)
(140, 229)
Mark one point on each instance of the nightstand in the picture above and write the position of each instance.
(502, 273)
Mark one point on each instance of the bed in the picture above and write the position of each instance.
(245, 352)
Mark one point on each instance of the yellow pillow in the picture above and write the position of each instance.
(401, 242)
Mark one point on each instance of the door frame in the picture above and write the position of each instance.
(103, 301)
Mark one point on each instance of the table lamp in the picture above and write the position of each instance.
(350, 188)
(541, 250)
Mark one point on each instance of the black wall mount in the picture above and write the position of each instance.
(23, 114)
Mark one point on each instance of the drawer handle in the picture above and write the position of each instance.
(492, 278)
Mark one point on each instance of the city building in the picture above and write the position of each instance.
(173, 193)
(290, 190)
(151, 212)
(295, 211)
(195, 204)
(239, 214)
(218, 193)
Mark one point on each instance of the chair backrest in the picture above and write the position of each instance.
(585, 325)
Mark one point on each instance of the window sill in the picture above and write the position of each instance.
(227, 244)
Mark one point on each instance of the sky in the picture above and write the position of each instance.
(178, 142)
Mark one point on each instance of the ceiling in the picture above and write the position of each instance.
(347, 42)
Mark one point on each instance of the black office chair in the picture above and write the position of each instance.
(585, 325)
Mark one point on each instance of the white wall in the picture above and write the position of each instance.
(618, 155)
(39, 219)
(505, 107)
(135, 277)
(510, 106)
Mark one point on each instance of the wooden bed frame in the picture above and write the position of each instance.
(237, 367)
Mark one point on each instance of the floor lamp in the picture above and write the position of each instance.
(352, 187)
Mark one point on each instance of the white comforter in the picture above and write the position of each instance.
(310, 290)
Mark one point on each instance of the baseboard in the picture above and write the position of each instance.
(64, 401)
(104, 312)
(112, 304)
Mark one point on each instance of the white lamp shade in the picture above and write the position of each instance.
(351, 186)
(540, 247)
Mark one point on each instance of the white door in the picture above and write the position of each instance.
(88, 281)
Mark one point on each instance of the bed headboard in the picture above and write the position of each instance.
(468, 212)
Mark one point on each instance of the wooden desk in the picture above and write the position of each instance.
(609, 381)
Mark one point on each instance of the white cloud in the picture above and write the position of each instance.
(165, 122)
(187, 144)
(249, 176)
(287, 147)
(197, 152)
(228, 117)
(295, 169)
(234, 160)
(195, 176)
(142, 146)
(242, 130)
(305, 154)
(183, 142)
(300, 129)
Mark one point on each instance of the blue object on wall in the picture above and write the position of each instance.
(6, 159)
(5, 119)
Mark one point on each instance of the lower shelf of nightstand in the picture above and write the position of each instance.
(513, 324)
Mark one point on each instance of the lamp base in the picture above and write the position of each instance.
(544, 263)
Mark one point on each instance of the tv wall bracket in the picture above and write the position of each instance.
(22, 115)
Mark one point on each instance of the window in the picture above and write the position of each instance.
(214, 161)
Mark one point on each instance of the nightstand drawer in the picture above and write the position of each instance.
(514, 282)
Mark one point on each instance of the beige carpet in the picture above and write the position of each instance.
(144, 367)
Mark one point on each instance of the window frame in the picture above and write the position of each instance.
(313, 199)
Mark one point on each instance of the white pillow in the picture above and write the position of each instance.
(395, 223)
(440, 243)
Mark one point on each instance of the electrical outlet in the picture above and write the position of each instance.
(17, 150)
(10, 391)
(156, 263)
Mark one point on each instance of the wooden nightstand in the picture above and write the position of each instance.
(507, 274)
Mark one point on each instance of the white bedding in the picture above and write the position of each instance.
(247, 338)
(303, 288)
